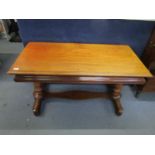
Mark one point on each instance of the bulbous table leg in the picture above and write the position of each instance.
(38, 95)
(116, 95)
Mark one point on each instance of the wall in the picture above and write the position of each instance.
(131, 32)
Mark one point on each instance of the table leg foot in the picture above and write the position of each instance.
(38, 95)
(118, 107)
(116, 95)
(36, 108)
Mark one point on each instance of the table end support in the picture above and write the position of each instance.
(38, 95)
(116, 95)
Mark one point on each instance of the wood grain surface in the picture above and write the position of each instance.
(43, 58)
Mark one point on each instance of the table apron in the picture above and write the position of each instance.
(79, 79)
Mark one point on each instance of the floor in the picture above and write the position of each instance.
(64, 116)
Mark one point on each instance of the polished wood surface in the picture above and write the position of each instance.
(43, 80)
(116, 95)
(39, 93)
(40, 58)
(79, 79)
(74, 63)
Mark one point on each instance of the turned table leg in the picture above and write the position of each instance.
(38, 95)
(116, 95)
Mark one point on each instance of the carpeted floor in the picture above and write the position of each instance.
(64, 116)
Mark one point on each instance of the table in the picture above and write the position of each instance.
(45, 63)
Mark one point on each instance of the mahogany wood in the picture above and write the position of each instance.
(79, 79)
(116, 95)
(38, 95)
(77, 95)
(74, 63)
(78, 59)
(40, 81)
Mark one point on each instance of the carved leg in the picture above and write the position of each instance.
(116, 95)
(38, 95)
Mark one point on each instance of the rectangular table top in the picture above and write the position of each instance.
(49, 58)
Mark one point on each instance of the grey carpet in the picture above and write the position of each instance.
(10, 47)
(64, 116)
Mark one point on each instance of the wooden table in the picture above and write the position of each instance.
(74, 63)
